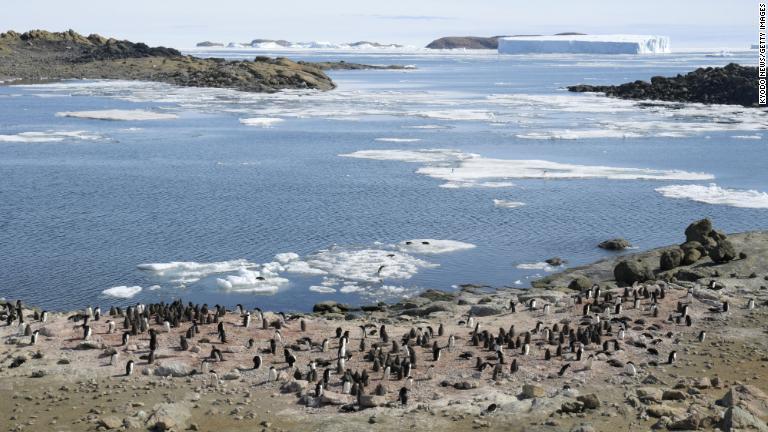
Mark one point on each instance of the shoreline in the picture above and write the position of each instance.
(470, 386)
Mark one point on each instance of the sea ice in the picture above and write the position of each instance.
(190, 272)
(399, 140)
(124, 292)
(537, 266)
(261, 121)
(507, 204)
(714, 194)
(322, 289)
(49, 136)
(367, 265)
(115, 114)
(433, 246)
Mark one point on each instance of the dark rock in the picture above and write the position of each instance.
(555, 261)
(699, 231)
(670, 259)
(615, 244)
(628, 272)
(329, 306)
(484, 310)
(572, 407)
(732, 84)
(580, 283)
(590, 401)
(723, 252)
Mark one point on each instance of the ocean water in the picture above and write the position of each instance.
(482, 150)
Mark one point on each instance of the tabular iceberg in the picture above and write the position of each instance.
(585, 44)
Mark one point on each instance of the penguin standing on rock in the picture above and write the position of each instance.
(129, 368)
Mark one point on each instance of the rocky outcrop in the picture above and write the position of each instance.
(733, 84)
(628, 272)
(42, 55)
(209, 44)
(466, 42)
(615, 244)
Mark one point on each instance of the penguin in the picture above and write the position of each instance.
(33, 338)
(113, 358)
(247, 320)
(340, 365)
(403, 396)
(272, 346)
(272, 374)
(44, 317)
(588, 363)
(513, 367)
(87, 332)
(436, 352)
(346, 387)
(129, 368)
(526, 349)
(303, 325)
(126, 338)
(726, 306)
(702, 336)
(451, 342)
(672, 357)
(532, 305)
(318, 390)
(342, 348)
(387, 372)
(621, 334)
(324, 345)
(563, 369)
(617, 309)
(751, 304)
(110, 326)
(688, 321)
(546, 309)
(636, 304)
(96, 313)
(586, 309)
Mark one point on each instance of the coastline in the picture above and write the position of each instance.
(596, 395)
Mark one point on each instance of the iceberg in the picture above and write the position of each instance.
(585, 44)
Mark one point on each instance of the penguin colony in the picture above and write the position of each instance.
(624, 331)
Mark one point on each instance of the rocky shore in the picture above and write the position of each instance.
(663, 353)
(732, 85)
(40, 55)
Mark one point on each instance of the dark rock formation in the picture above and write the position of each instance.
(467, 42)
(670, 259)
(580, 283)
(38, 55)
(208, 44)
(702, 239)
(733, 84)
(615, 244)
(628, 272)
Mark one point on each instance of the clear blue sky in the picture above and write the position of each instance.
(182, 23)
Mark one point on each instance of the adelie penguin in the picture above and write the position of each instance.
(256, 362)
(87, 332)
(702, 336)
(436, 352)
(403, 396)
(272, 374)
(563, 369)
(672, 357)
(33, 338)
(129, 368)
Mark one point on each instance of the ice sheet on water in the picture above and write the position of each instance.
(119, 115)
(185, 272)
(433, 246)
(123, 291)
(367, 265)
(264, 122)
(714, 194)
(507, 203)
(398, 140)
(537, 266)
(49, 136)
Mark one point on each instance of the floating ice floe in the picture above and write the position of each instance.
(462, 185)
(432, 246)
(714, 194)
(322, 289)
(507, 204)
(367, 265)
(186, 272)
(116, 114)
(467, 168)
(261, 121)
(398, 140)
(124, 292)
(567, 134)
(265, 280)
(537, 266)
(49, 136)
(748, 137)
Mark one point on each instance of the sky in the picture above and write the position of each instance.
(691, 24)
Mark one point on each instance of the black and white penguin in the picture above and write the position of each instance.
(113, 358)
(672, 357)
(402, 396)
(526, 349)
(726, 306)
(33, 338)
(688, 320)
(436, 353)
(126, 338)
(532, 304)
(44, 317)
(272, 374)
(129, 368)
(630, 369)
(563, 369)
(257, 362)
(87, 332)
(702, 335)
(751, 304)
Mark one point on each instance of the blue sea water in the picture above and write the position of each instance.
(77, 216)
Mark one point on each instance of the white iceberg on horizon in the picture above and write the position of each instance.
(585, 44)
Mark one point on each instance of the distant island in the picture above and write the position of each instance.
(476, 42)
(284, 44)
(733, 85)
(41, 55)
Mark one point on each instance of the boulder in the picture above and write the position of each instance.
(722, 252)
(167, 416)
(580, 283)
(110, 422)
(372, 401)
(747, 397)
(329, 306)
(614, 244)
(690, 275)
(699, 231)
(590, 401)
(174, 369)
(555, 261)
(670, 259)
(628, 272)
(572, 407)
(658, 411)
(484, 310)
(690, 256)
(531, 391)
(333, 398)
(737, 419)
(294, 386)
(692, 422)
(650, 394)
(439, 306)
(675, 395)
